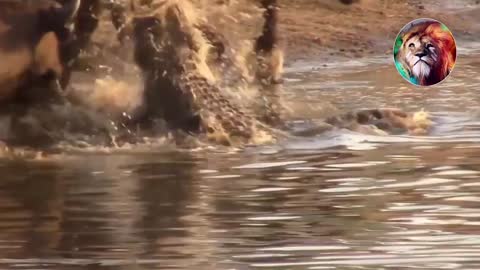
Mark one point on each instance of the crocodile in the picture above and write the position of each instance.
(178, 87)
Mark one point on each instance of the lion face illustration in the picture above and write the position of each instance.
(427, 53)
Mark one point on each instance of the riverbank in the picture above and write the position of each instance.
(329, 30)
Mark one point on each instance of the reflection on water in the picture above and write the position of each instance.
(339, 200)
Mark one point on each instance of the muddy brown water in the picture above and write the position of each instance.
(339, 200)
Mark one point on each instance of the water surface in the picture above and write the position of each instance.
(339, 200)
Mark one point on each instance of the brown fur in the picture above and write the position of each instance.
(87, 21)
(268, 47)
(31, 33)
(269, 65)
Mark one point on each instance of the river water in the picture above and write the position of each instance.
(338, 200)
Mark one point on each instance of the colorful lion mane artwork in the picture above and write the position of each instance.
(425, 52)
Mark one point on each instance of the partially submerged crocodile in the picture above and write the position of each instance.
(178, 87)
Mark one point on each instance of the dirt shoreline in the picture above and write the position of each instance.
(329, 30)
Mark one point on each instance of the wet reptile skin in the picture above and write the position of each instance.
(166, 48)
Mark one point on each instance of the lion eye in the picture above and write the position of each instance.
(411, 45)
(429, 46)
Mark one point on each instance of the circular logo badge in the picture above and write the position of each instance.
(424, 52)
